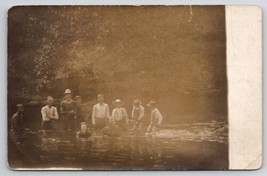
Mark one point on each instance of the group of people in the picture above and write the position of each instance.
(110, 125)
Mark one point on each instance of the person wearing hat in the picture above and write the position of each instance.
(17, 120)
(156, 118)
(49, 113)
(68, 111)
(100, 114)
(137, 114)
(119, 115)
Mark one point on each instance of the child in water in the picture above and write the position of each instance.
(83, 133)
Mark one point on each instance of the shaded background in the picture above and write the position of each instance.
(174, 55)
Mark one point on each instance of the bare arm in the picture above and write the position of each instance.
(149, 127)
(113, 114)
(142, 112)
(77, 135)
(159, 116)
(132, 114)
(12, 123)
(55, 113)
(94, 114)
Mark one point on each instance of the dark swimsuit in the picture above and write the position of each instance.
(84, 135)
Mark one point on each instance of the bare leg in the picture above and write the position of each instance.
(149, 129)
(154, 129)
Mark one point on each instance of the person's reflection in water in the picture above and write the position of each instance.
(48, 149)
(83, 144)
(153, 148)
(110, 150)
(46, 142)
(136, 147)
(111, 130)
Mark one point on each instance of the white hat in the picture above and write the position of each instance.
(67, 91)
(151, 104)
(117, 101)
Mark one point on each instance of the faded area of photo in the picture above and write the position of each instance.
(89, 68)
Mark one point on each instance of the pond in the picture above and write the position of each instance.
(175, 147)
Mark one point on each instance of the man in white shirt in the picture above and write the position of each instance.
(100, 115)
(49, 113)
(119, 115)
(156, 118)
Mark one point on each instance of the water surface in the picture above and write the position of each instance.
(175, 147)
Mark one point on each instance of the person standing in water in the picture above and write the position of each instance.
(100, 114)
(119, 115)
(68, 111)
(156, 118)
(137, 114)
(17, 120)
(49, 113)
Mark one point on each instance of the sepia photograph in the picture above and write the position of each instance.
(117, 88)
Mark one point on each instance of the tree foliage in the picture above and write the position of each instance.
(162, 53)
